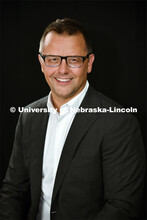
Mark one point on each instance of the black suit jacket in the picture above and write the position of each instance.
(101, 170)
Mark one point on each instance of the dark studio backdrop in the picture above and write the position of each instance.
(118, 33)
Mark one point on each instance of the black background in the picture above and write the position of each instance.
(118, 33)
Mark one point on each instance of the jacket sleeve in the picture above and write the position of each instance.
(123, 164)
(14, 194)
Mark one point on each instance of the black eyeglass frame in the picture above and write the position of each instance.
(63, 57)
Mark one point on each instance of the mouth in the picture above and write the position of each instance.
(63, 80)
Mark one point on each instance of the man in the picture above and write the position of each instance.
(68, 164)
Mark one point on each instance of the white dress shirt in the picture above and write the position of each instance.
(57, 130)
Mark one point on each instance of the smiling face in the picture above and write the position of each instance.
(65, 82)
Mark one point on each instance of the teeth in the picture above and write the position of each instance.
(63, 80)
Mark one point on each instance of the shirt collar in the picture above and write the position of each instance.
(74, 102)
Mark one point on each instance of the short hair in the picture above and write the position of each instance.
(66, 26)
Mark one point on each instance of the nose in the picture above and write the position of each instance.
(63, 68)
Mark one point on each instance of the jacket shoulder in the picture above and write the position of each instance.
(42, 102)
(101, 100)
(110, 110)
(35, 109)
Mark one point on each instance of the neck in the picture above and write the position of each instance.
(57, 103)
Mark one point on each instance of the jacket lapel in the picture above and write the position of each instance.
(38, 139)
(80, 126)
(38, 132)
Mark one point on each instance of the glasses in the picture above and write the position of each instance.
(72, 61)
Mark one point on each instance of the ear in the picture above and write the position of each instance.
(41, 62)
(90, 62)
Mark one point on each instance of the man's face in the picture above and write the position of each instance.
(74, 77)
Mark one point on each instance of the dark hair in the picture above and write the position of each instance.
(66, 26)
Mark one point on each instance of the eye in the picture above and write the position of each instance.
(75, 59)
(52, 59)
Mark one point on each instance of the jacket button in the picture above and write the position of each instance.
(53, 212)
